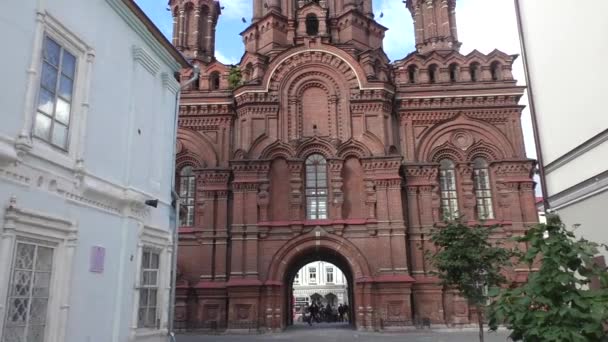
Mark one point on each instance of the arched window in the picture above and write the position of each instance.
(447, 184)
(496, 71)
(316, 187)
(474, 70)
(214, 81)
(433, 73)
(248, 72)
(186, 193)
(483, 190)
(412, 74)
(312, 25)
(454, 72)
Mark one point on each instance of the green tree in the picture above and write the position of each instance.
(234, 77)
(556, 304)
(466, 260)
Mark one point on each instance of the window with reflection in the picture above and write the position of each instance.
(55, 94)
(316, 187)
(186, 193)
(483, 191)
(449, 195)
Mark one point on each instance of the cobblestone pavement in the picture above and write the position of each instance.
(338, 332)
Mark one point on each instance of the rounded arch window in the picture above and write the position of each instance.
(412, 74)
(433, 73)
(474, 69)
(214, 81)
(312, 24)
(187, 184)
(316, 187)
(496, 70)
(454, 72)
(483, 190)
(447, 185)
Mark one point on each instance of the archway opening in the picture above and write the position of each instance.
(319, 277)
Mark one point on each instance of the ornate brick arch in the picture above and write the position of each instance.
(198, 145)
(327, 55)
(463, 132)
(320, 76)
(315, 145)
(353, 148)
(484, 150)
(188, 159)
(447, 151)
(278, 149)
(287, 255)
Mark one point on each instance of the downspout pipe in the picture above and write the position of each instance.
(539, 152)
(176, 206)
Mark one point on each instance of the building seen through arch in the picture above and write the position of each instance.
(319, 282)
(327, 151)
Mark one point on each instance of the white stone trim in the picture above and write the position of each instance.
(160, 240)
(170, 83)
(142, 56)
(8, 153)
(26, 144)
(62, 234)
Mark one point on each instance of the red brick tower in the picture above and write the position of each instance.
(326, 151)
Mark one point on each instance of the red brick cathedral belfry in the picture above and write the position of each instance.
(327, 151)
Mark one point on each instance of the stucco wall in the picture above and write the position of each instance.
(566, 48)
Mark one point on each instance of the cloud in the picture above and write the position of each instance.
(237, 9)
(225, 59)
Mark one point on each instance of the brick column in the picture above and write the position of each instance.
(468, 192)
(337, 194)
(295, 181)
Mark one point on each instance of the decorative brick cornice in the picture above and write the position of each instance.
(258, 110)
(204, 123)
(419, 174)
(250, 98)
(383, 165)
(409, 103)
(210, 179)
(522, 168)
(206, 109)
(494, 116)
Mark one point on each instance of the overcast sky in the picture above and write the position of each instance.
(484, 25)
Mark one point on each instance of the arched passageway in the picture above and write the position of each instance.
(308, 257)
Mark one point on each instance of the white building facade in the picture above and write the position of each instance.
(86, 138)
(320, 282)
(564, 47)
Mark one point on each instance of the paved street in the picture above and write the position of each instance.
(341, 333)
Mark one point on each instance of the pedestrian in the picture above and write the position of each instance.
(341, 312)
(307, 314)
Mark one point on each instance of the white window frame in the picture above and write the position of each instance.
(310, 273)
(159, 241)
(330, 270)
(61, 234)
(50, 27)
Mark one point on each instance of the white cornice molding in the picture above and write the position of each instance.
(21, 219)
(145, 59)
(8, 153)
(133, 21)
(169, 82)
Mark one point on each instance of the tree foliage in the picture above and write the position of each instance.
(235, 77)
(556, 304)
(466, 260)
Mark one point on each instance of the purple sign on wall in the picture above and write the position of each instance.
(98, 257)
